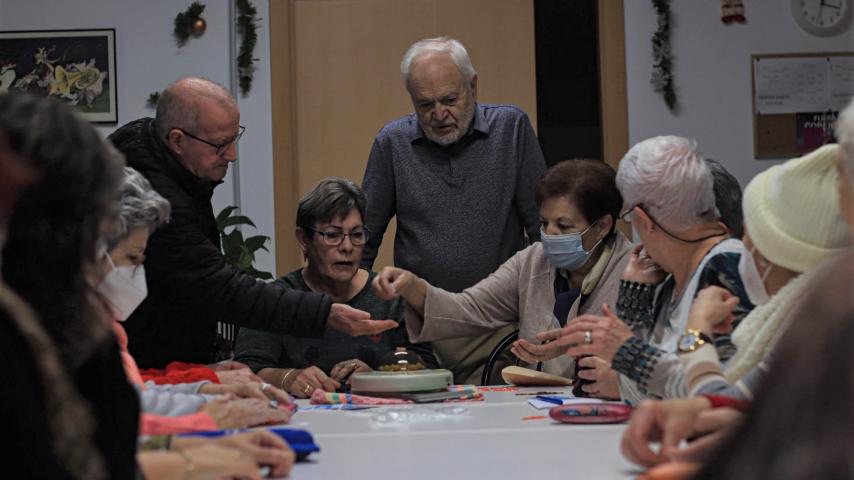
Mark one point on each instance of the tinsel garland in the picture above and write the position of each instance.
(662, 76)
(246, 20)
(184, 22)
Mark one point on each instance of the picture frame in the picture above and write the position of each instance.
(77, 67)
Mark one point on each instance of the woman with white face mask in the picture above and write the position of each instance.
(574, 270)
(123, 287)
(793, 222)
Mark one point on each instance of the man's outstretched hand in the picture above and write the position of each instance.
(347, 319)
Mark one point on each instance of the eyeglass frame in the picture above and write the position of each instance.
(221, 148)
(325, 236)
(625, 213)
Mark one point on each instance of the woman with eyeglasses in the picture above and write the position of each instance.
(574, 270)
(331, 233)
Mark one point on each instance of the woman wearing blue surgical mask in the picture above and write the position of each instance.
(575, 269)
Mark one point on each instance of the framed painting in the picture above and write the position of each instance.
(75, 66)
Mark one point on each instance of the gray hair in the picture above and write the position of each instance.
(333, 197)
(141, 207)
(670, 179)
(727, 198)
(845, 136)
(448, 45)
(178, 106)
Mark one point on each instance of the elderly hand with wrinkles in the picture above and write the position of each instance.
(599, 335)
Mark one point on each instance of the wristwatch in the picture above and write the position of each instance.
(692, 339)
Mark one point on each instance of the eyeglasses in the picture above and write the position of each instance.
(626, 214)
(334, 238)
(222, 147)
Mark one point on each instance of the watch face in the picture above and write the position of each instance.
(822, 17)
(687, 342)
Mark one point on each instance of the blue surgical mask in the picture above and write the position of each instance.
(566, 251)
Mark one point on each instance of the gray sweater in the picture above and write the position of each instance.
(462, 210)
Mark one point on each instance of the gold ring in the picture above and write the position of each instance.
(353, 365)
(306, 389)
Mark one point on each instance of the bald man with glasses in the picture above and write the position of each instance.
(185, 152)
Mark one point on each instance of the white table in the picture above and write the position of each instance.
(486, 439)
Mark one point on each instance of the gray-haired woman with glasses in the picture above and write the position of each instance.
(332, 235)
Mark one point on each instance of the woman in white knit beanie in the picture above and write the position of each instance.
(793, 222)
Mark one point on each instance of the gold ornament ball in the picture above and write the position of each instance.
(199, 27)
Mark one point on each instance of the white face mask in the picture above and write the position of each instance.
(754, 283)
(124, 288)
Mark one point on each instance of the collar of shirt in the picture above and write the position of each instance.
(479, 124)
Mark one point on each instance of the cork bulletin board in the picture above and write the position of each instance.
(796, 99)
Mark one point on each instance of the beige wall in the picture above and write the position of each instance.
(336, 82)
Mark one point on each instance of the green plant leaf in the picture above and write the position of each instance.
(237, 220)
(240, 252)
(244, 262)
(225, 213)
(232, 245)
(256, 242)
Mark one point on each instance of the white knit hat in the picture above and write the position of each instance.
(792, 214)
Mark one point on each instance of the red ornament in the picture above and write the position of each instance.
(732, 11)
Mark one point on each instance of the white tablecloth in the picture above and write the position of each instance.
(489, 439)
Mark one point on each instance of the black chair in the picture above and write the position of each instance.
(495, 354)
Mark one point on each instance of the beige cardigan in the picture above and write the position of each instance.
(522, 290)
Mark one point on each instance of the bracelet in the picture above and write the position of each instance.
(285, 377)
(190, 467)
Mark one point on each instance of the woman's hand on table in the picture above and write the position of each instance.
(235, 376)
(215, 461)
(307, 380)
(641, 269)
(711, 311)
(660, 421)
(266, 448)
(606, 380)
(261, 391)
(712, 426)
(245, 412)
(228, 365)
(342, 370)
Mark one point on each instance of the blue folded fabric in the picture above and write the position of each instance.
(300, 441)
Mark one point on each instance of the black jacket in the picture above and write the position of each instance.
(190, 285)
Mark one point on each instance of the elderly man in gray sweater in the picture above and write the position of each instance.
(460, 178)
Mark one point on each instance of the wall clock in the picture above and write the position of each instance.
(824, 18)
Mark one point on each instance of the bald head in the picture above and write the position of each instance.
(180, 103)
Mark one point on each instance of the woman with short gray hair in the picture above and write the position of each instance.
(331, 234)
(141, 207)
(668, 193)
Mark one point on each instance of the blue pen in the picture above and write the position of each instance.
(555, 400)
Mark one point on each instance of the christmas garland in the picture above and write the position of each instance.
(184, 22)
(662, 76)
(246, 20)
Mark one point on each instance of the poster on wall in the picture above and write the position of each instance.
(75, 66)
